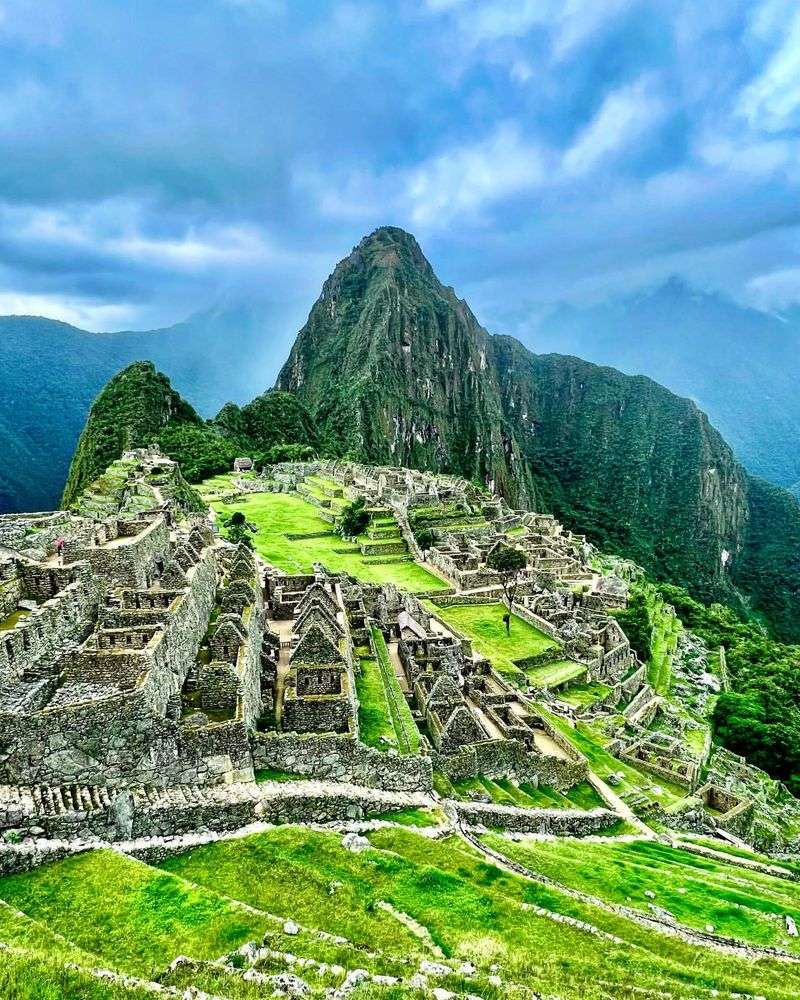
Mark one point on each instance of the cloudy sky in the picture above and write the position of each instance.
(160, 156)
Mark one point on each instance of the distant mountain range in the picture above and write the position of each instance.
(741, 366)
(50, 372)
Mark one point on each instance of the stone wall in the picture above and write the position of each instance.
(564, 822)
(340, 758)
(39, 640)
(510, 759)
(130, 564)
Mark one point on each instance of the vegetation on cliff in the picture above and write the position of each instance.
(139, 407)
(136, 407)
(760, 717)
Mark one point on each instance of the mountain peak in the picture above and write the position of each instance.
(387, 248)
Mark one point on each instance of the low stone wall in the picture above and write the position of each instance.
(566, 822)
(338, 757)
(129, 564)
(142, 814)
(449, 600)
(537, 621)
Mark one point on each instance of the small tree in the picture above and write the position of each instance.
(238, 531)
(354, 518)
(425, 538)
(508, 563)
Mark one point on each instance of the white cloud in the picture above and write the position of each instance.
(775, 289)
(466, 178)
(79, 312)
(129, 231)
(521, 71)
(771, 102)
(745, 154)
(568, 22)
(624, 116)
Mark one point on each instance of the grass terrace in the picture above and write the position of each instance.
(553, 675)
(374, 719)
(292, 536)
(585, 695)
(697, 891)
(483, 625)
(522, 794)
(633, 782)
(130, 915)
(134, 917)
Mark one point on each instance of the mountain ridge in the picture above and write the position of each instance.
(740, 364)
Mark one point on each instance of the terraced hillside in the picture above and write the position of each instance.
(294, 912)
(295, 530)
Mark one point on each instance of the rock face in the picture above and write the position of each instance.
(396, 369)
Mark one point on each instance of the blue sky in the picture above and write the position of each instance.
(159, 157)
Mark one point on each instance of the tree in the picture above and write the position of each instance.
(286, 453)
(508, 563)
(425, 538)
(238, 530)
(354, 518)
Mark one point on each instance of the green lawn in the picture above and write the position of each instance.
(524, 795)
(11, 621)
(289, 871)
(374, 719)
(132, 916)
(603, 764)
(138, 918)
(555, 673)
(412, 816)
(483, 624)
(696, 890)
(279, 514)
(406, 734)
(583, 695)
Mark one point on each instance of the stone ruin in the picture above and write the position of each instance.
(150, 670)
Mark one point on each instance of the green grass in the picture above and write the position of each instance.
(473, 909)
(292, 871)
(412, 816)
(552, 674)
(666, 630)
(523, 794)
(279, 514)
(583, 695)
(483, 625)
(137, 917)
(374, 718)
(696, 890)
(130, 915)
(405, 729)
(271, 774)
(10, 622)
(42, 976)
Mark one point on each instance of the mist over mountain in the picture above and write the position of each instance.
(740, 365)
(50, 372)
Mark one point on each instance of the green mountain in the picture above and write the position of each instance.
(395, 368)
(274, 418)
(136, 407)
(50, 372)
(139, 407)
